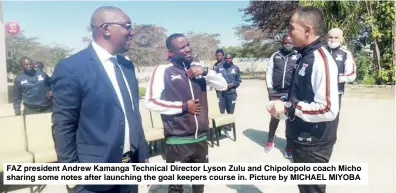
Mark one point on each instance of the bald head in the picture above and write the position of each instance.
(335, 38)
(111, 29)
(336, 32)
(103, 14)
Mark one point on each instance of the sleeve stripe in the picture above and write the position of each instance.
(151, 94)
(327, 90)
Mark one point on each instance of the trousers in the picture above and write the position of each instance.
(227, 103)
(272, 129)
(187, 153)
(320, 153)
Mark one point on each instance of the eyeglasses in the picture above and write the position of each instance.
(127, 26)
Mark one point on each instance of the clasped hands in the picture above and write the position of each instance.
(276, 107)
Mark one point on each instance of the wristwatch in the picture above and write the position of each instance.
(288, 106)
(205, 71)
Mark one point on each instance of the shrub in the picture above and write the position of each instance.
(363, 69)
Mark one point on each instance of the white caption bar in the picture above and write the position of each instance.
(181, 173)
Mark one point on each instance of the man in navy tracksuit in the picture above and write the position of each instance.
(177, 91)
(312, 105)
(31, 87)
(227, 98)
(219, 58)
(39, 66)
(343, 58)
(278, 76)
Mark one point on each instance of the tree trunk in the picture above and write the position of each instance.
(377, 55)
(376, 52)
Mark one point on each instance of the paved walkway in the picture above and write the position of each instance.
(366, 135)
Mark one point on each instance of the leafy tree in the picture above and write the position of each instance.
(32, 48)
(365, 23)
(380, 17)
(268, 21)
(368, 22)
(237, 51)
(271, 17)
(203, 45)
(148, 45)
(342, 14)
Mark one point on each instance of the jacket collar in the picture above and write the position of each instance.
(180, 64)
(221, 62)
(225, 65)
(293, 52)
(335, 49)
(311, 47)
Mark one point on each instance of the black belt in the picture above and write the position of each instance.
(126, 158)
(130, 157)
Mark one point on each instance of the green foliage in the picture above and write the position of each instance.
(364, 23)
(254, 50)
(243, 52)
(385, 76)
(341, 14)
(380, 17)
(363, 68)
(365, 74)
(236, 50)
(142, 92)
(369, 80)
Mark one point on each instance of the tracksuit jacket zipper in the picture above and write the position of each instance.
(284, 69)
(284, 72)
(192, 94)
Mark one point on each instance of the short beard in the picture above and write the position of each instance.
(181, 60)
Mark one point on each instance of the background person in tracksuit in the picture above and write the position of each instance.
(219, 58)
(39, 67)
(343, 58)
(227, 98)
(278, 76)
(31, 87)
(312, 105)
(177, 91)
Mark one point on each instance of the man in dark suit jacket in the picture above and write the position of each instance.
(96, 115)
